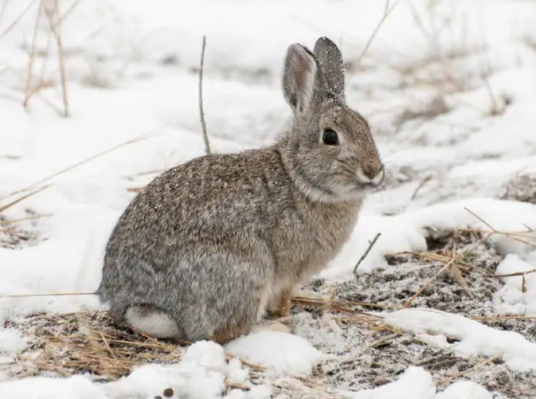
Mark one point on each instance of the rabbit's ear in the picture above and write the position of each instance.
(331, 66)
(299, 78)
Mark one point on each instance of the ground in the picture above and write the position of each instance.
(443, 304)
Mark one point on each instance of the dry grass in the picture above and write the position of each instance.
(82, 343)
(76, 343)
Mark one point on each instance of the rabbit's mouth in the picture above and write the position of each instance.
(370, 180)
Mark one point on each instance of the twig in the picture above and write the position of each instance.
(386, 13)
(91, 158)
(479, 218)
(69, 11)
(514, 237)
(54, 22)
(12, 221)
(3, 9)
(48, 294)
(514, 274)
(108, 346)
(421, 185)
(32, 56)
(503, 317)
(15, 202)
(201, 111)
(367, 251)
(331, 304)
(476, 366)
(427, 284)
(16, 21)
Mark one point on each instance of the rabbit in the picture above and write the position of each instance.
(211, 246)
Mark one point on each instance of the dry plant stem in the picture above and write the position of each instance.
(332, 305)
(495, 231)
(28, 90)
(69, 11)
(201, 111)
(427, 284)
(16, 21)
(367, 251)
(386, 13)
(41, 96)
(3, 9)
(455, 271)
(15, 202)
(515, 274)
(503, 317)
(12, 221)
(421, 185)
(93, 157)
(476, 366)
(48, 294)
(54, 21)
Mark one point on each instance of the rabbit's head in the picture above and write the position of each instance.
(330, 151)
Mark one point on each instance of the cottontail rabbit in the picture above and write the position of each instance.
(209, 246)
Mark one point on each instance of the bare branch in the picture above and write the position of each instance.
(366, 252)
(386, 12)
(201, 112)
(54, 21)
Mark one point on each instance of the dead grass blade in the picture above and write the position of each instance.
(91, 158)
(386, 12)
(3, 9)
(335, 305)
(475, 367)
(427, 284)
(12, 221)
(48, 294)
(514, 236)
(514, 274)
(53, 16)
(16, 21)
(32, 56)
(20, 199)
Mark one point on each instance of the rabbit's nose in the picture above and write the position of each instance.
(371, 172)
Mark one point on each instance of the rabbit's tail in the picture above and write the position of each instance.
(152, 321)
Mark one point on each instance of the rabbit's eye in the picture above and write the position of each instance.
(330, 137)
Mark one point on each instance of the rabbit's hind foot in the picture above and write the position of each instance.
(152, 321)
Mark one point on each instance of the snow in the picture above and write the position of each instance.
(201, 374)
(278, 350)
(475, 338)
(518, 295)
(131, 74)
(414, 383)
(417, 383)
(464, 390)
(11, 341)
(406, 232)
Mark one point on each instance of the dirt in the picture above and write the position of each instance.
(12, 237)
(522, 188)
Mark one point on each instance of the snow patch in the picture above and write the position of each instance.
(280, 351)
(518, 353)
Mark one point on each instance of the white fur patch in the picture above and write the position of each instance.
(156, 324)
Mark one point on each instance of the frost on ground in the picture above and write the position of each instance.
(449, 89)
